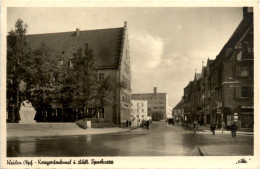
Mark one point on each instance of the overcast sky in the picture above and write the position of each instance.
(166, 44)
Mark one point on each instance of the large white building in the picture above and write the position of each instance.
(158, 106)
(139, 111)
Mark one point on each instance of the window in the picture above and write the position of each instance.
(142, 110)
(244, 71)
(245, 92)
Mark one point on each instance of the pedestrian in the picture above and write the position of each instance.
(130, 123)
(213, 128)
(195, 126)
(147, 125)
(223, 126)
(126, 123)
(166, 121)
(233, 130)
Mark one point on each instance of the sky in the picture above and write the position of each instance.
(166, 44)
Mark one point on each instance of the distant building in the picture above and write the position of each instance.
(178, 112)
(139, 111)
(157, 104)
(111, 58)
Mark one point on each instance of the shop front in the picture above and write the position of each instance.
(247, 117)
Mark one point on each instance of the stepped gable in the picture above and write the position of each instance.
(105, 44)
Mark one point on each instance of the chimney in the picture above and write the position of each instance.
(77, 32)
(125, 24)
(247, 11)
(155, 91)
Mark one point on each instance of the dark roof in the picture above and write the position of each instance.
(179, 105)
(245, 24)
(197, 76)
(210, 61)
(190, 83)
(105, 43)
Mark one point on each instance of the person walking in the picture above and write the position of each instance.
(213, 128)
(147, 125)
(195, 126)
(233, 130)
(126, 123)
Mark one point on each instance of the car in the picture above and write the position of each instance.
(170, 121)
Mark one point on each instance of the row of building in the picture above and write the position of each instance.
(111, 58)
(224, 90)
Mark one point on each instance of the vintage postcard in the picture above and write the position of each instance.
(129, 84)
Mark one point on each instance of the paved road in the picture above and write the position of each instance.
(160, 140)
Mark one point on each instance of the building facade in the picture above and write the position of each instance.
(178, 112)
(139, 111)
(111, 59)
(224, 91)
(157, 104)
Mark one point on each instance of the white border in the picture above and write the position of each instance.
(136, 162)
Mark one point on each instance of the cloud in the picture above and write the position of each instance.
(146, 50)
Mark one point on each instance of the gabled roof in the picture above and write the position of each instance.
(197, 76)
(179, 105)
(210, 61)
(105, 43)
(239, 33)
(189, 84)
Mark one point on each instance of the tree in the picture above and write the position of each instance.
(17, 56)
(103, 94)
(42, 71)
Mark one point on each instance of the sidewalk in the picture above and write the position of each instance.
(206, 129)
(55, 129)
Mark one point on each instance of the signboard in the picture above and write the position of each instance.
(235, 118)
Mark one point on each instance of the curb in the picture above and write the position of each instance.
(238, 133)
(54, 135)
(200, 152)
